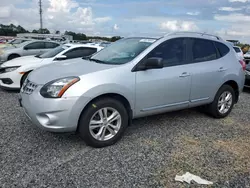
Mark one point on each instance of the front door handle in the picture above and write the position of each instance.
(184, 74)
(222, 69)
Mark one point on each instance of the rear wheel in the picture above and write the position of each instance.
(103, 122)
(223, 102)
(13, 56)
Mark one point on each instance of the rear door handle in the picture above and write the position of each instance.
(222, 69)
(184, 74)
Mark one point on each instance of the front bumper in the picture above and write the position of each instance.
(10, 80)
(2, 59)
(54, 115)
(247, 78)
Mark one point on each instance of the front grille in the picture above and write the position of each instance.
(28, 87)
(247, 72)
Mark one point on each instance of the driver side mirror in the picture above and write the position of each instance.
(61, 57)
(25, 48)
(152, 63)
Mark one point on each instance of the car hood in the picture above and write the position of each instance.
(20, 61)
(68, 68)
(247, 55)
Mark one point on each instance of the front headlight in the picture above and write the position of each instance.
(57, 88)
(10, 69)
(1, 52)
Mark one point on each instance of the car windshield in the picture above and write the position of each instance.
(122, 51)
(53, 52)
(17, 41)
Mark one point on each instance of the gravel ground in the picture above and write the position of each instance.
(151, 153)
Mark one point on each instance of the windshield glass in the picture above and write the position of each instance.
(122, 51)
(53, 52)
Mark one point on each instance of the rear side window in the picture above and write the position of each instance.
(51, 45)
(203, 50)
(222, 48)
(237, 49)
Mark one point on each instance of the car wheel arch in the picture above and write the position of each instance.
(116, 96)
(25, 74)
(235, 87)
(14, 54)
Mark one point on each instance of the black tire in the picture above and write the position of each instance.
(91, 109)
(23, 78)
(213, 107)
(13, 56)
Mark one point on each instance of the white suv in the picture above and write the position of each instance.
(131, 78)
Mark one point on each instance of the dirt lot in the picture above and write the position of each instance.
(151, 153)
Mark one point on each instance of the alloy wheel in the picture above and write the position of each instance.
(105, 124)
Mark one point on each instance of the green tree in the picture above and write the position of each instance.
(115, 38)
(44, 31)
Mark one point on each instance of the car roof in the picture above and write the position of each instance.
(33, 40)
(198, 35)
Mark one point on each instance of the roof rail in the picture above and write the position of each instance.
(191, 32)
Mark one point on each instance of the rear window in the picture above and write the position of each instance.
(237, 49)
(222, 48)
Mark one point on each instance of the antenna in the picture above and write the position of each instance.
(41, 15)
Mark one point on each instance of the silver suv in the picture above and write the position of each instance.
(32, 47)
(131, 78)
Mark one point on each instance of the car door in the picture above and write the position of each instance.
(34, 48)
(206, 71)
(80, 52)
(165, 89)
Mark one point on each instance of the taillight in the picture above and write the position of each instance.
(243, 64)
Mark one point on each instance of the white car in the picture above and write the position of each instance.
(239, 52)
(247, 57)
(14, 72)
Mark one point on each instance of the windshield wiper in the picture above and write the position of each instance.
(97, 61)
(86, 57)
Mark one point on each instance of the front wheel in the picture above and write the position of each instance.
(223, 102)
(103, 122)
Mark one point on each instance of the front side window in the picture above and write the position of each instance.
(35, 45)
(80, 52)
(171, 51)
(203, 50)
(51, 45)
(122, 51)
(53, 52)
